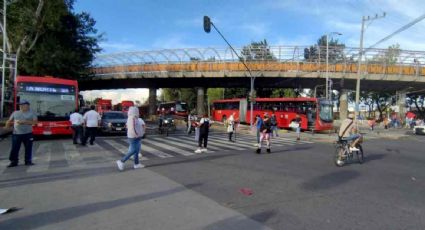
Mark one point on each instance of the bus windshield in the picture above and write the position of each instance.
(48, 101)
(181, 107)
(325, 112)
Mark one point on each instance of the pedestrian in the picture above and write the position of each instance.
(190, 120)
(231, 125)
(77, 122)
(258, 124)
(91, 123)
(204, 128)
(135, 132)
(22, 120)
(273, 121)
(297, 122)
(265, 133)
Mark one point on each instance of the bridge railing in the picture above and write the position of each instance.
(280, 58)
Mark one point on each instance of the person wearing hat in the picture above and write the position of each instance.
(348, 131)
(22, 120)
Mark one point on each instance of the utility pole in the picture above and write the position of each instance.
(364, 19)
(3, 71)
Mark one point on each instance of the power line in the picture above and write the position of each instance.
(397, 31)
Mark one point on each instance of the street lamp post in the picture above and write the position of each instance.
(3, 71)
(327, 62)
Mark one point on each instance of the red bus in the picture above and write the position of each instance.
(52, 99)
(316, 114)
(103, 105)
(125, 105)
(178, 108)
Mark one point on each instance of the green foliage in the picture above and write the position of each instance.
(58, 43)
(257, 51)
(283, 93)
(236, 92)
(215, 94)
(336, 51)
(389, 57)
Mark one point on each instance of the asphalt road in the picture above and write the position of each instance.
(230, 187)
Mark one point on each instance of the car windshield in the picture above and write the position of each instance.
(114, 116)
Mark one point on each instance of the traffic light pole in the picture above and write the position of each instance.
(207, 24)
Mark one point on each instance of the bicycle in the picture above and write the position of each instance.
(343, 154)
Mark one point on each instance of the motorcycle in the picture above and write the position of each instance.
(167, 125)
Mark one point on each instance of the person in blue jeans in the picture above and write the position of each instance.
(135, 132)
(22, 121)
(258, 124)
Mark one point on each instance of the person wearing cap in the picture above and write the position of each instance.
(22, 120)
(348, 131)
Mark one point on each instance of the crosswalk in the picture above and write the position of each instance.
(62, 153)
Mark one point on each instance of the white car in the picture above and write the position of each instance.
(419, 129)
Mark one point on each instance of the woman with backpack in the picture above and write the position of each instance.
(135, 132)
(265, 132)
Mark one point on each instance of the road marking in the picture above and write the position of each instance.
(123, 149)
(155, 152)
(192, 144)
(42, 158)
(157, 142)
(72, 155)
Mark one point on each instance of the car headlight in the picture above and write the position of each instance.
(109, 124)
(166, 121)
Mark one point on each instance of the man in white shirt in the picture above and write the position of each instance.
(92, 122)
(77, 121)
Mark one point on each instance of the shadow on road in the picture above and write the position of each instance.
(241, 222)
(329, 180)
(60, 215)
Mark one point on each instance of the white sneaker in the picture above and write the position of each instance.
(138, 166)
(204, 150)
(256, 145)
(354, 149)
(120, 165)
(198, 151)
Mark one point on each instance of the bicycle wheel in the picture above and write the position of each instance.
(339, 151)
(360, 156)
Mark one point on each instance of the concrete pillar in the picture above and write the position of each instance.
(152, 101)
(343, 104)
(401, 102)
(200, 110)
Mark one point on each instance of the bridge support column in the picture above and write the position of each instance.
(343, 104)
(401, 102)
(200, 101)
(152, 101)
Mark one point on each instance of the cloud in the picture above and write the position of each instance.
(117, 45)
(257, 30)
(117, 95)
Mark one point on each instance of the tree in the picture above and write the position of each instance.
(283, 93)
(380, 99)
(336, 51)
(48, 38)
(389, 57)
(257, 51)
(418, 101)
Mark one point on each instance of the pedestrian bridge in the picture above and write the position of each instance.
(280, 66)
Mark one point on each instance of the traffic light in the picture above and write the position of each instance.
(207, 24)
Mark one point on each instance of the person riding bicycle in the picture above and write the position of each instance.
(348, 131)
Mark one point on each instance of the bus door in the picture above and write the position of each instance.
(243, 105)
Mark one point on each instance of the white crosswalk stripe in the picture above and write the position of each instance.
(154, 147)
(160, 143)
(72, 155)
(123, 149)
(42, 158)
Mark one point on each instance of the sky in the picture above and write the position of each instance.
(142, 25)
